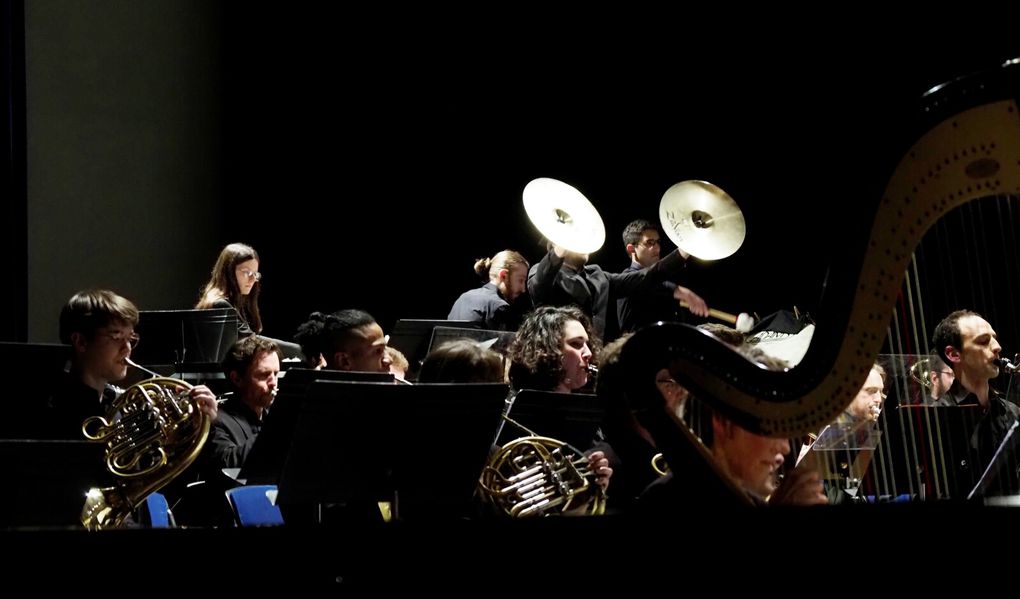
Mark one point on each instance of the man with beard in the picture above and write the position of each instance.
(970, 346)
(252, 366)
(497, 304)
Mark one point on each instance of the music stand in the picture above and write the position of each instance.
(46, 481)
(38, 368)
(498, 341)
(265, 460)
(572, 418)
(190, 340)
(843, 452)
(422, 447)
(413, 337)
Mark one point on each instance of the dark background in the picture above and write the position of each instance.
(370, 158)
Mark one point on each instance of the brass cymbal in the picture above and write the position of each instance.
(702, 220)
(564, 215)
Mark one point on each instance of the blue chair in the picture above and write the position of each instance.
(255, 505)
(158, 511)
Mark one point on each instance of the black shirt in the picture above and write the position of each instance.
(69, 404)
(988, 436)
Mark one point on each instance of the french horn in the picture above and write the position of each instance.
(153, 432)
(537, 476)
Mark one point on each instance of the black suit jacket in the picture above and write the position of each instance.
(486, 306)
(551, 283)
(231, 437)
(650, 304)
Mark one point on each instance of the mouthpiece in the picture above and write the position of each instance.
(1007, 366)
(150, 372)
(593, 370)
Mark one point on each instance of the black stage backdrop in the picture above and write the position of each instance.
(392, 163)
(390, 149)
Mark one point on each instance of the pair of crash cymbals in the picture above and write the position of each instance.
(700, 218)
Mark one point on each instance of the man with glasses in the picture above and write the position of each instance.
(940, 377)
(99, 326)
(652, 303)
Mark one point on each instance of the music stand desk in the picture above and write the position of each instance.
(572, 418)
(422, 447)
(46, 481)
(265, 461)
(191, 340)
(413, 337)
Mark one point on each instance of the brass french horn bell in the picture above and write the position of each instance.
(564, 216)
(702, 220)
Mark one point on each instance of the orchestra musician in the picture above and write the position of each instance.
(651, 303)
(99, 325)
(564, 278)
(251, 367)
(346, 340)
(969, 344)
(553, 351)
(235, 283)
(501, 302)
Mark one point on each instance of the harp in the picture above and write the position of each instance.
(965, 148)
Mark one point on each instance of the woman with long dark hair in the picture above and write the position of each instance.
(235, 283)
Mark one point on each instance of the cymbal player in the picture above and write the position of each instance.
(655, 302)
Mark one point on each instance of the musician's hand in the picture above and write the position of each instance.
(695, 304)
(803, 486)
(205, 399)
(560, 252)
(600, 466)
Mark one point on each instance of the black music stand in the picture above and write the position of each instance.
(267, 455)
(421, 447)
(190, 340)
(38, 368)
(46, 481)
(572, 418)
(413, 337)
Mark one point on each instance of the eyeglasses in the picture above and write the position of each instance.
(257, 276)
(650, 243)
(120, 337)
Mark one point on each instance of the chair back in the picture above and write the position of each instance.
(255, 505)
(159, 511)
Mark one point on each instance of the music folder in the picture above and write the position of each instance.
(421, 447)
